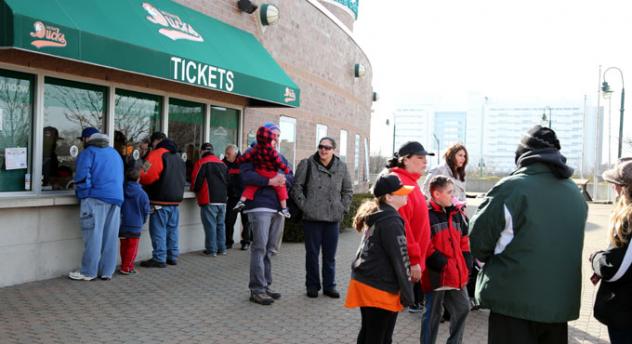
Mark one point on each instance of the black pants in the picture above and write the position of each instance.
(231, 218)
(377, 326)
(505, 329)
(419, 296)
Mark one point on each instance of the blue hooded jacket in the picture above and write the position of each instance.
(266, 196)
(99, 172)
(134, 211)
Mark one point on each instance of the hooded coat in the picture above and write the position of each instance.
(99, 172)
(164, 174)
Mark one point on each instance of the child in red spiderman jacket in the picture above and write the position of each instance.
(267, 163)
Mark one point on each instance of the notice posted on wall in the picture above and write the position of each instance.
(15, 158)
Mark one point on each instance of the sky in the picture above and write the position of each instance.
(533, 52)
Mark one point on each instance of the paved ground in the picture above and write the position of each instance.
(205, 300)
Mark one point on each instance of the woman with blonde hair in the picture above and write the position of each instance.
(613, 304)
(380, 273)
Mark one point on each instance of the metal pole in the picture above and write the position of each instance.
(621, 119)
(438, 149)
(550, 118)
(597, 138)
(394, 134)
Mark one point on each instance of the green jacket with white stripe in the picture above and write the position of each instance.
(529, 232)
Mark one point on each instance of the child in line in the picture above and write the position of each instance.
(134, 213)
(447, 264)
(613, 304)
(267, 163)
(380, 278)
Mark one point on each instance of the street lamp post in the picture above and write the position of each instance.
(606, 89)
(438, 149)
(550, 117)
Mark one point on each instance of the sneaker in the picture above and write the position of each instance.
(273, 294)
(415, 308)
(333, 293)
(239, 206)
(207, 252)
(312, 293)
(222, 253)
(245, 246)
(123, 272)
(151, 263)
(261, 298)
(105, 278)
(78, 276)
(172, 261)
(285, 212)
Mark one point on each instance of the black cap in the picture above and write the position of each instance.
(390, 184)
(207, 147)
(412, 148)
(157, 136)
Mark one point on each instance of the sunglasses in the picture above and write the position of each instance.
(325, 147)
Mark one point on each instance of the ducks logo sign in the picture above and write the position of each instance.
(173, 26)
(47, 36)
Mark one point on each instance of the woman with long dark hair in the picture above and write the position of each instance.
(456, 158)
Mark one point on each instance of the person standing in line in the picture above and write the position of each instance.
(266, 224)
(380, 273)
(529, 232)
(448, 264)
(209, 181)
(163, 178)
(456, 158)
(613, 304)
(409, 164)
(323, 191)
(235, 188)
(134, 213)
(99, 188)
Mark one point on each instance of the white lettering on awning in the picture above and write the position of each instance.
(202, 74)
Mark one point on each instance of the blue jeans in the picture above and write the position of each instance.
(213, 216)
(163, 229)
(100, 223)
(319, 235)
(266, 228)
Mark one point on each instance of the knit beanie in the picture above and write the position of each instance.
(538, 138)
(271, 126)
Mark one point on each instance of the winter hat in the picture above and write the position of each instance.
(87, 132)
(271, 126)
(537, 138)
(621, 173)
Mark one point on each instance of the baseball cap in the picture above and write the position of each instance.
(207, 147)
(390, 184)
(87, 132)
(413, 148)
(621, 173)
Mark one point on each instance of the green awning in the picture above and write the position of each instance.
(157, 38)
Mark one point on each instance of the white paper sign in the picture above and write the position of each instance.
(15, 158)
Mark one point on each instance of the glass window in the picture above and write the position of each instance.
(356, 158)
(69, 107)
(16, 118)
(186, 123)
(288, 139)
(321, 131)
(224, 128)
(343, 145)
(137, 116)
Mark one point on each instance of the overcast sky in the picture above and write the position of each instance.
(536, 51)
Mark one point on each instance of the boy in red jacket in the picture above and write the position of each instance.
(446, 276)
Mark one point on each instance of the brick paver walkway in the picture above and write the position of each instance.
(205, 300)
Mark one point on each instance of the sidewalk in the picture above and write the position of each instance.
(205, 300)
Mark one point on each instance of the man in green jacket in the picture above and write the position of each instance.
(529, 233)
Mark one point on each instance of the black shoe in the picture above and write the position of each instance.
(312, 293)
(151, 263)
(245, 247)
(207, 252)
(333, 293)
(262, 299)
(172, 262)
(273, 294)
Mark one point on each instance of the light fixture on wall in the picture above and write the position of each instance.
(359, 70)
(269, 14)
(376, 97)
(246, 6)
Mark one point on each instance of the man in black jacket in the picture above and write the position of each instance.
(235, 188)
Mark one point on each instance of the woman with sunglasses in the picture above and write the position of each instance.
(323, 191)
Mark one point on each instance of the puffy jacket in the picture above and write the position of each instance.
(449, 254)
(235, 188)
(164, 174)
(613, 304)
(529, 232)
(99, 172)
(265, 197)
(382, 260)
(415, 215)
(209, 180)
(134, 211)
(323, 194)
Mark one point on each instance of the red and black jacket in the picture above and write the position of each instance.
(448, 260)
(164, 176)
(209, 180)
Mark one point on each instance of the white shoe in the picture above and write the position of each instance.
(78, 276)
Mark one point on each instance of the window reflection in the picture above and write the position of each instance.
(137, 117)
(68, 108)
(16, 113)
(287, 145)
(186, 122)
(224, 127)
